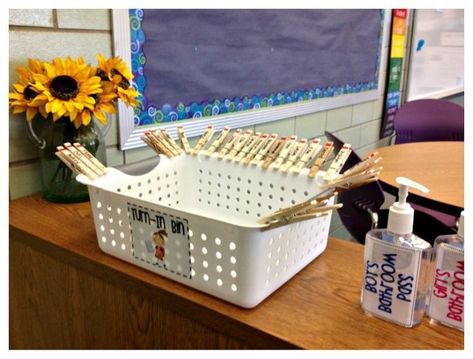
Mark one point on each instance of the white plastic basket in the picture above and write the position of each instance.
(209, 208)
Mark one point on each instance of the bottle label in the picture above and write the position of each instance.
(447, 300)
(390, 281)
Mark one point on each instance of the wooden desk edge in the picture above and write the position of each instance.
(176, 303)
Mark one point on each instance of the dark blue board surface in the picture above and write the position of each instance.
(194, 63)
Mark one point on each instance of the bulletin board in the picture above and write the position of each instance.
(242, 67)
(436, 66)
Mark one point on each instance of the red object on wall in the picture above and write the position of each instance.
(402, 13)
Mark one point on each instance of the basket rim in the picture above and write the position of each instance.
(103, 183)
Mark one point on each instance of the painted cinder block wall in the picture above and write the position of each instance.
(47, 33)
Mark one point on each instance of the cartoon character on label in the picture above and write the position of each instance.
(159, 238)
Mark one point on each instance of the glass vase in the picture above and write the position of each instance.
(58, 181)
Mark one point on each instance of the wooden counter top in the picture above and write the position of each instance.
(318, 309)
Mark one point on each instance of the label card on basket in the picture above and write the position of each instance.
(160, 239)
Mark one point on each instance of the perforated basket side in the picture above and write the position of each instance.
(221, 251)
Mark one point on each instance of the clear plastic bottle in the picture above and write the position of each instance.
(395, 285)
(447, 294)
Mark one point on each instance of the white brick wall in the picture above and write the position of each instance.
(45, 34)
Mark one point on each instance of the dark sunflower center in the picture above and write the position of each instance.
(29, 93)
(103, 76)
(64, 87)
(124, 83)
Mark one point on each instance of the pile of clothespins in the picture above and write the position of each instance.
(314, 207)
(254, 149)
(79, 160)
(360, 174)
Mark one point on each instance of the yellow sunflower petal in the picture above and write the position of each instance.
(78, 105)
(35, 65)
(86, 117)
(42, 111)
(108, 107)
(18, 103)
(101, 117)
(50, 70)
(77, 122)
(19, 88)
(62, 112)
(48, 107)
(73, 115)
(15, 95)
(69, 106)
(41, 78)
(56, 105)
(101, 59)
(39, 100)
(31, 113)
(55, 117)
(82, 75)
(24, 74)
(19, 109)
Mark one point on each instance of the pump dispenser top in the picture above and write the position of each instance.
(401, 214)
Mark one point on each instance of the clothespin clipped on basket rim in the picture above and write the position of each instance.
(315, 206)
(307, 213)
(360, 174)
(80, 161)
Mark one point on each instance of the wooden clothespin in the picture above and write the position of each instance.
(260, 142)
(368, 162)
(75, 169)
(355, 180)
(284, 221)
(91, 158)
(74, 163)
(273, 152)
(310, 153)
(247, 147)
(171, 141)
(207, 135)
(319, 161)
(150, 144)
(288, 215)
(159, 137)
(265, 148)
(183, 139)
(218, 142)
(156, 142)
(99, 169)
(284, 153)
(229, 145)
(297, 150)
(338, 162)
(317, 201)
(241, 142)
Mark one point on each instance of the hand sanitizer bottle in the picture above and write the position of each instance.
(396, 265)
(447, 296)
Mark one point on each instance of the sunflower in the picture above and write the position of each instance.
(104, 104)
(118, 73)
(25, 98)
(70, 87)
